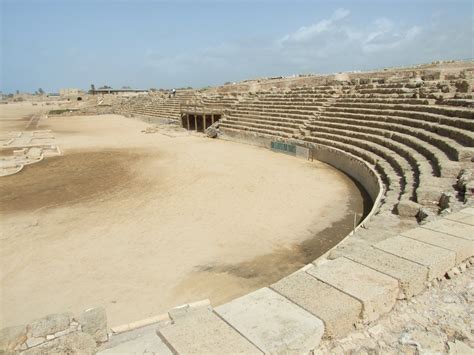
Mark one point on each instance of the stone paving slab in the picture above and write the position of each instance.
(468, 210)
(463, 248)
(437, 260)
(203, 332)
(458, 229)
(411, 276)
(375, 290)
(340, 312)
(272, 322)
(146, 344)
(462, 217)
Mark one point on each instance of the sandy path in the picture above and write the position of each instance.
(140, 223)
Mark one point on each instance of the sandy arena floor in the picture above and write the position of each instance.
(140, 223)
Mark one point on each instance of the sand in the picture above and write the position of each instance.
(140, 223)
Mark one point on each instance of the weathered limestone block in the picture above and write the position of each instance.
(71, 344)
(428, 195)
(376, 291)
(463, 248)
(94, 323)
(340, 312)
(50, 324)
(411, 276)
(272, 322)
(457, 229)
(203, 332)
(12, 337)
(408, 209)
(437, 260)
(461, 216)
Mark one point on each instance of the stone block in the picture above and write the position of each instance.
(50, 324)
(458, 229)
(340, 312)
(463, 248)
(94, 322)
(203, 332)
(462, 217)
(408, 209)
(146, 344)
(411, 276)
(376, 291)
(272, 322)
(437, 260)
(12, 337)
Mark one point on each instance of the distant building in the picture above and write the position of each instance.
(70, 92)
(118, 91)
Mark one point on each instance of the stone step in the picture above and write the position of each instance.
(203, 332)
(437, 260)
(384, 168)
(411, 276)
(441, 164)
(264, 133)
(272, 322)
(463, 248)
(437, 110)
(397, 110)
(428, 133)
(465, 216)
(376, 291)
(456, 138)
(340, 312)
(400, 164)
(239, 124)
(454, 228)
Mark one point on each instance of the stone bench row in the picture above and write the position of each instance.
(463, 124)
(427, 189)
(329, 298)
(435, 109)
(269, 132)
(424, 143)
(292, 117)
(277, 106)
(259, 125)
(402, 168)
(394, 184)
(385, 100)
(455, 142)
(270, 121)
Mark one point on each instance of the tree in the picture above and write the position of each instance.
(18, 92)
(40, 91)
(92, 87)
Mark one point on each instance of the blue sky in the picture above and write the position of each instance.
(163, 44)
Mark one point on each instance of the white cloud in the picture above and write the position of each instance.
(307, 33)
(330, 44)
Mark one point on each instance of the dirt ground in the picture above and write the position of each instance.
(140, 223)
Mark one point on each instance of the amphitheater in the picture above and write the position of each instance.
(400, 139)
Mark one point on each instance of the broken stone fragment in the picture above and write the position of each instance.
(50, 324)
(94, 323)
